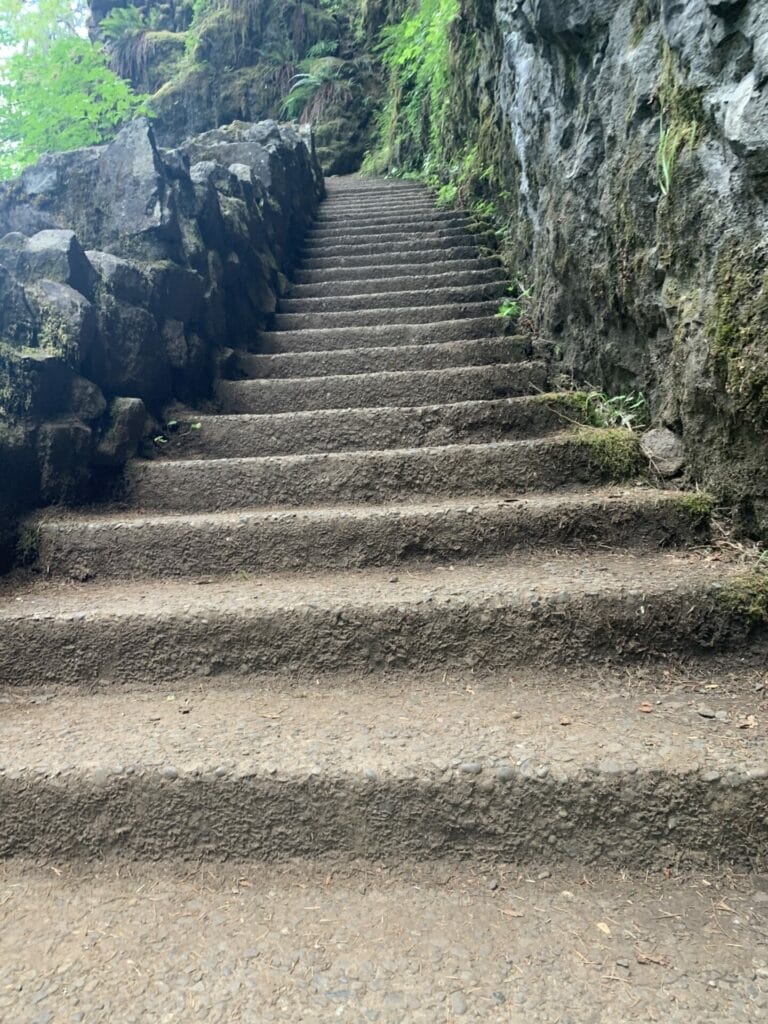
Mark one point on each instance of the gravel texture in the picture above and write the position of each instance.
(319, 943)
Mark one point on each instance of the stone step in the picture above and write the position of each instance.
(342, 275)
(375, 188)
(403, 214)
(226, 543)
(392, 242)
(394, 282)
(344, 225)
(421, 943)
(366, 390)
(353, 230)
(328, 430)
(496, 616)
(479, 352)
(407, 299)
(385, 317)
(324, 339)
(394, 257)
(508, 468)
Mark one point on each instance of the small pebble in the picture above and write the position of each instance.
(471, 768)
(705, 712)
(458, 1004)
(170, 772)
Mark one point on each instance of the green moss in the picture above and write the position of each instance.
(699, 506)
(614, 452)
(28, 544)
(747, 595)
(642, 17)
(571, 405)
(737, 328)
(683, 118)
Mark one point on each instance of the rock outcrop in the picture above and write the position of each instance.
(124, 271)
(637, 141)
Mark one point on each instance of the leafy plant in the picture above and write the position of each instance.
(447, 195)
(629, 411)
(319, 84)
(57, 90)
(509, 309)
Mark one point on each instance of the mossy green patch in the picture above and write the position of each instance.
(737, 327)
(697, 506)
(747, 595)
(614, 452)
(573, 406)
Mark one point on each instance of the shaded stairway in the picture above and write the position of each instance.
(386, 497)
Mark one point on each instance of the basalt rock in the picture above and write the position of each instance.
(123, 270)
(636, 145)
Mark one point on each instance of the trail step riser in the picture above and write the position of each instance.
(441, 296)
(362, 476)
(171, 548)
(377, 336)
(365, 429)
(394, 243)
(397, 358)
(493, 634)
(378, 285)
(384, 317)
(390, 257)
(201, 817)
(343, 230)
(411, 387)
(354, 275)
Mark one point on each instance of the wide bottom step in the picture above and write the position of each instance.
(412, 946)
(546, 769)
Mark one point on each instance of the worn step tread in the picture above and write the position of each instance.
(324, 339)
(389, 944)
(120, 546)
(399, 242)
(343, 225)
(398, 771)
(327, 430)
(425, 295)
(509, 468)
(389, 257)
(498, 614)
(386, 317)
(377, 285)
(352, 276)
(446, 354)
(383, 388)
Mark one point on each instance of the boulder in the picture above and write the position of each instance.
(664, 450)
(127, 419)
(64, 450)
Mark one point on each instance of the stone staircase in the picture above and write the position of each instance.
(390, 603)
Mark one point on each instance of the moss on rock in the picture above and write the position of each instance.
(614, 452)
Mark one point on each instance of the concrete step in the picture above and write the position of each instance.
(400, 242)
(340, 218)
(342, 275)
(390, 257)
(385, 317)
(409, 298)
(344, 225)
(329, 430)
(124, 547)
(391, 281)
(498, 615)
(479, 352)
(400, 475)
(325, 339)
(412, 943)
(383, 773)
(366, 390)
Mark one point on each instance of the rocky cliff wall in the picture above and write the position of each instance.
(635, 144)
(125, 272)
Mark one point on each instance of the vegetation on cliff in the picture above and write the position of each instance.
(57, 90)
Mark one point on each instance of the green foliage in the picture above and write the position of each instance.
(447, 196)
(629, 411)
(509, 309)
(415, 52)
(319, 84)
(57, 91)
(681, 120)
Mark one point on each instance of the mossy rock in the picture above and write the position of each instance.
(615, 453)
